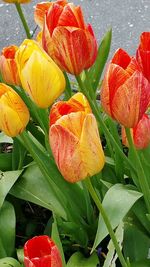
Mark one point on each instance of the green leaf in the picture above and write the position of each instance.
(112, 255)
(140, 211)
(9, 262)
(7, 227)
(6, 161)
(144, 263)
(20, 255)
(117, 202)
(7, 180)
(56, 238)
(18, 155)
(5, 139)
(103, 52)
(33, 187)
(78, 260)
(136, 243)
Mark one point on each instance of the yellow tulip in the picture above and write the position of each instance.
(74, 139)
(14, 113)
(41, 78)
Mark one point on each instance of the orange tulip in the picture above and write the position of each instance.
(125, 93)
(14, 113)
(143, 54)
(8, 66)
(140, 133)
(66, 38)
(75, 140)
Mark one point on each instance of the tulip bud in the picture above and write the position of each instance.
(41, 251)
(41, 78)
(140, 133)
(74, 139)
(66, 38)
(125, 93)
(8, 66)
(143, 54)
(14, 113)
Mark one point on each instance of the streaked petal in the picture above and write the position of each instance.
(90, 146)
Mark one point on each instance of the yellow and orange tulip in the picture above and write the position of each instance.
(125, 93)
(41, 78)
(66, 38)
(8, 66)
(140, 133)
(14, 113)
(74, 139)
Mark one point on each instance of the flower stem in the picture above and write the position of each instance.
(140, 172)
(23, 20)
(106, 220)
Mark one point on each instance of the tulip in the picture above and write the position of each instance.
(41, 78)
(140, 133)
(14, 113)
(75, 140)
(17, 1)
(8, 66)
(125, 93)
(41, 251)
(143, 54)
(66, 38)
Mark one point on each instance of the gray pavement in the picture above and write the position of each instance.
(128, 18)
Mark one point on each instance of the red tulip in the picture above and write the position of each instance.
(140, 133)
(125, 93)
(143, 54)
(67, 39)
(40, 251)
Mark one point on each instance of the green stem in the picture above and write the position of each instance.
(106, 220)
(23, 20)
(96, 112)
(139, 169)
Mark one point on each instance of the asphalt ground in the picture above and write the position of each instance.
(128, 18)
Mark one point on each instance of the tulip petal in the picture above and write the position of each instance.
(73, 49)
(71, 16)
(114, 78)
(90, 146)
(131, 100)
(121, 58)
(39, 13)
(65, 148)
(41, 87)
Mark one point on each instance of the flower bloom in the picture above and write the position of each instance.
(17, 1)
(14, 113)
(66, 38)
(140, 133)
(41, 251)
(8, 66)
(74, 139)
(41, 78)
(143, 54)
(125, 93)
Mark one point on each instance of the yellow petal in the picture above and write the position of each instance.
(90, 146)
(42, 79)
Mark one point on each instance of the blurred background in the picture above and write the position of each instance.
(127, 18)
